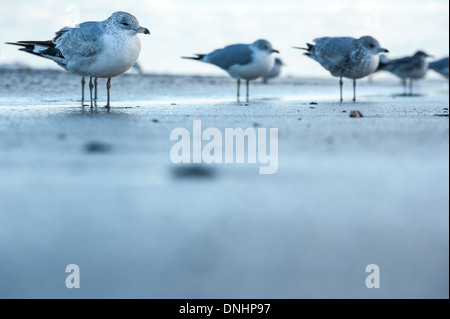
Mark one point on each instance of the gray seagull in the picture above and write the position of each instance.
(346, 57)
(242, 61)
(408, 68)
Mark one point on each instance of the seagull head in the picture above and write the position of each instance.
(265, 46)
(127, 22)
(372, 45)
(422, 55)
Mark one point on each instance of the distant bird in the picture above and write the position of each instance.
(138, 68)
(409, 68)
(242, 61)
(275, 72)
(346, 57)
(440, 66)
(103, 49)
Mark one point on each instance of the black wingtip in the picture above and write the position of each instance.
(199, 57)
(310, 47)
(24, 47)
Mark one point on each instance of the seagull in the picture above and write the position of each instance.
(276, 70)
(242, 61)
(440, 66)
(104, 49)
(346, 57)
(413, 68)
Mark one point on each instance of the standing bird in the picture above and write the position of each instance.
(440, 66)
(275, 72)
(346, 57)
(413, 68)
(242, 61)
(103, 49)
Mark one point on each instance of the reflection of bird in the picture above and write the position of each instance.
(275, 72)
(93, 49)
(413, 68)
(346, 57)
(242, 61)
(440, 66)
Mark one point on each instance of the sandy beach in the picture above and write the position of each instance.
(97, 188)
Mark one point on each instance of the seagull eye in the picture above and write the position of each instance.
(125, 24)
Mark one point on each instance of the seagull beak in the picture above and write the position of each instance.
(382, 50)
(275, 51)
(142, 30)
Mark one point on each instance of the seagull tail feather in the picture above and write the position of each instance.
(45, 49)
(309, 50)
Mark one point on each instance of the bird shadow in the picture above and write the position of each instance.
(100, 111)
(407, 95)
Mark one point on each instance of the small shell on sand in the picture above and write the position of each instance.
(356, 114)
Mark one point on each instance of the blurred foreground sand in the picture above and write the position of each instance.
(98, 189)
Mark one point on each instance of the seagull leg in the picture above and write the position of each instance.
(91, 86)
(83, 83)
(405, 84)
(354, 90)
(411, 83)
(108, 88)
(248, 91)
(95, 95)
(341, 83)
(238, 90)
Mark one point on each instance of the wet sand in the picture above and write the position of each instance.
(97, 188)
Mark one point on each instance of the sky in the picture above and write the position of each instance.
(182, 28)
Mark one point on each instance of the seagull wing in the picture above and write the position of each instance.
(82, 41)
(331, 52)
(237, 54)
(403, 65)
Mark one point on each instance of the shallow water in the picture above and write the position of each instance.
(97, 188)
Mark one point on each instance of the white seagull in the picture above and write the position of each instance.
(346, 57)
(275, 72)
(242, 61)
(103, 49)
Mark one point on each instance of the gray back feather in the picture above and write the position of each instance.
(237, 54)
(81, 41)
(332, 51)
(403, 65)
